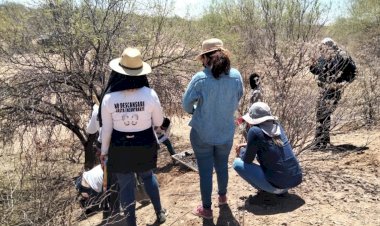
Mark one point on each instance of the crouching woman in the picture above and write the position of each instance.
(278, 169)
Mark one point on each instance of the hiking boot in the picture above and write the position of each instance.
(161, 216)
(222, 200)
(203, 212)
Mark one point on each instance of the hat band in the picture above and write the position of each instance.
(130, 68)
(213, 49)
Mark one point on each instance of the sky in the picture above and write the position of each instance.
(194, 8)
(338, 7)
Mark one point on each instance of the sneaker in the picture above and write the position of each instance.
(263, 193)
(161, 216)
(202, 212)
(283, 195)
(222, 200)
(251, 200)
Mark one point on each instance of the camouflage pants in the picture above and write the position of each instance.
(326, 105)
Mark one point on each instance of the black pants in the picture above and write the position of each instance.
(111, 201)
(169, 146)
(92, 202)
(326, 105)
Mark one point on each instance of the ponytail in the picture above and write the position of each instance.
(277, 141)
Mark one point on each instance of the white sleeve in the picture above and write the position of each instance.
(93, 124)
(165, 136)
(107, 125)
(157, 114)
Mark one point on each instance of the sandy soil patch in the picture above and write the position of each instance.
(340, 187)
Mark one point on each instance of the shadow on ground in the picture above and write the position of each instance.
(225, 218)
(346, 147)
(168, 168)
(117, 220)
(338, 148)
(269, 204)
(84, 215)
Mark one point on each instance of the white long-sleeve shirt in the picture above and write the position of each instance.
(162, 135)
(129, 111)
(93, 124)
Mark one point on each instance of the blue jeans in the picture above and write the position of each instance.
(209, 156)
(169, 146)
(254, 175)
(127, 185)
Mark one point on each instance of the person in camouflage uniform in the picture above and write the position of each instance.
(334, 69)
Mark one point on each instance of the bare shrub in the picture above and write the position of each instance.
(54, 81)
(45, 98)
(276, 39)
(359, 30)
(368, 100)
(37, 188)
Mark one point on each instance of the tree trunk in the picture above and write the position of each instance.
(90, 152)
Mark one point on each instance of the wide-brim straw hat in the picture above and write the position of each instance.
(130, 63)
(258, 113)
(211, 45)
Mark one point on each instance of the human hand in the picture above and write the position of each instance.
(98, 152)
(238, 148)
(239, 121)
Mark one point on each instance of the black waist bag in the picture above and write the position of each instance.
(132, 151)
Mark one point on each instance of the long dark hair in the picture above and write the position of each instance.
(119, 82)
(252, 81)
(219, 61)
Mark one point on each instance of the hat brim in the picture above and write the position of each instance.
(115, 65)
(199, 56)
(257, 121)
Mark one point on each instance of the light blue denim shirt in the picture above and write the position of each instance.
(213, 103)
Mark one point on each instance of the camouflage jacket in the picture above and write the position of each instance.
(334, 70)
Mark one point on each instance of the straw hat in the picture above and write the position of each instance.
(210, 45)
(130, 63)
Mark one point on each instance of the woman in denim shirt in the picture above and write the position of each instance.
(212, 97)
(278, 168)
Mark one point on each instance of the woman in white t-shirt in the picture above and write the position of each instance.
(129, 110)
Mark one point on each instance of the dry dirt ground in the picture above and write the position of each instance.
(340, 187)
